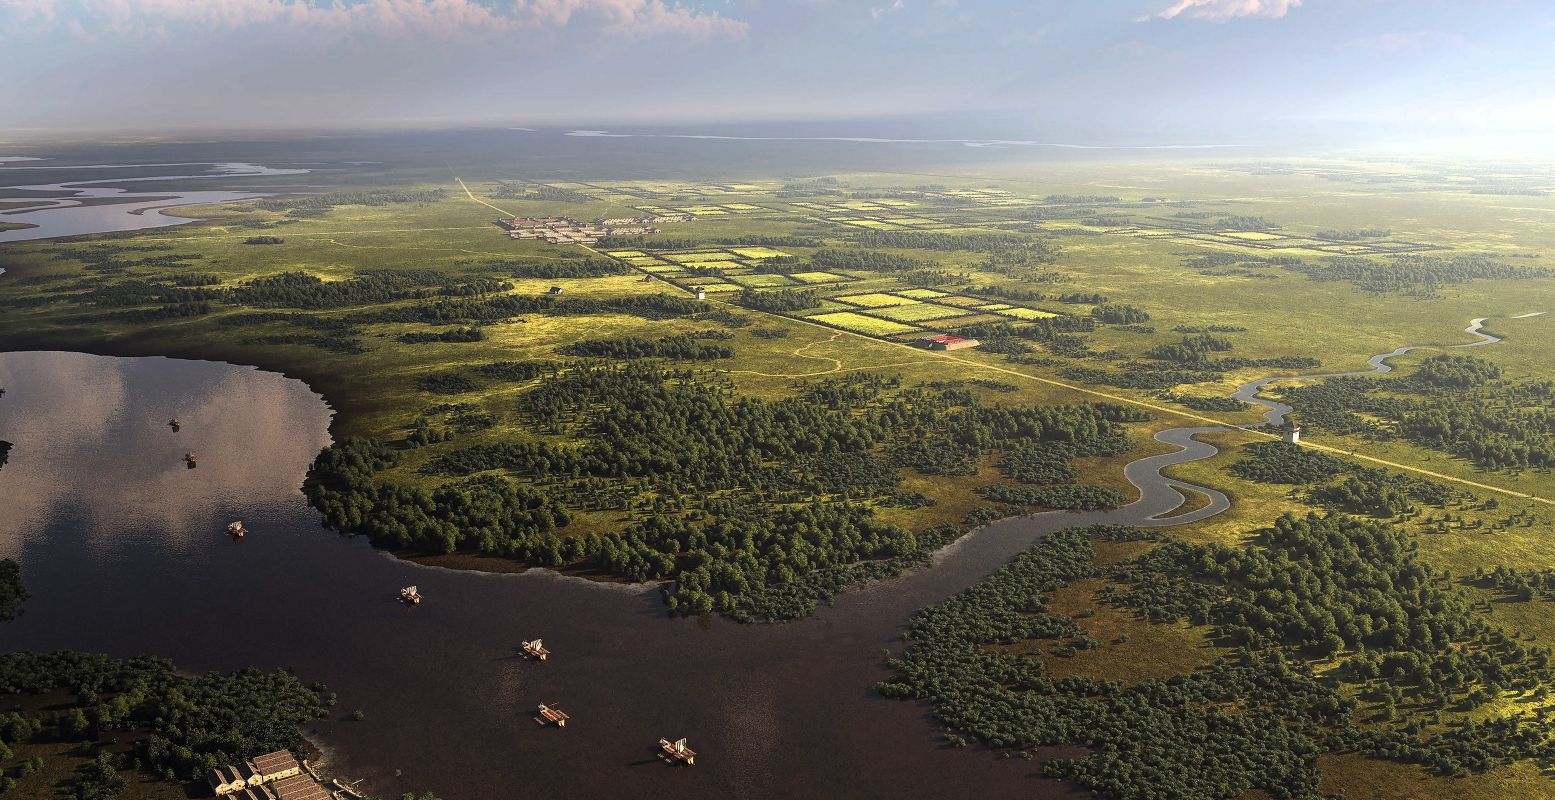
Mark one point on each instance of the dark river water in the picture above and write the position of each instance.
(125, 552)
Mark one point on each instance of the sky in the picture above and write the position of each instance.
(1184, 70)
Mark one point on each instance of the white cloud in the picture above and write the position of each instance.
(880, 11)
(1222, 10)
(379, 18)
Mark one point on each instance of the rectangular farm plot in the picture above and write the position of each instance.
(742, 207)
(762, 281)
(720, 287)
(921, 312)
(877, 300)
(819, 277)
(713, 265)
(858, 323)
(994, 307)
(758, 252)
(921, 294)
(626, 254)
(690, 258)
(660, 269)
(1026, 313)
(964, 302)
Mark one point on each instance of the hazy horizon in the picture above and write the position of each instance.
(1245, 72)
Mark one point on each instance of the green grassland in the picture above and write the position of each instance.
(1021, 258)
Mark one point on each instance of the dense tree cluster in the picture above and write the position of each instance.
(1307, 588)
(1120, 314)
(264, 240)
(445, 383)
(12, 592)
(1415, 274)
(181, 726)
(451, 335)
(866, 260)
(1455, 404)
(1277, 462)
(710, 468)
(1380, 493)
(1193, 349)
(781, 301)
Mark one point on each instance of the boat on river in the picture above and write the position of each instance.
(551, 715)
(191, 460)
(536, 650)
(236, 530)
(411, 595)
(678, 752)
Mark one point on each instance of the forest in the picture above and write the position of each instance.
(744, 493)
(1454, 404)
(1307, 588)
(13, 594)
(181, 726)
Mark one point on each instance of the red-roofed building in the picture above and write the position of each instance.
(947, 342)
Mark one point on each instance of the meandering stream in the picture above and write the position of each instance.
(1252, 391)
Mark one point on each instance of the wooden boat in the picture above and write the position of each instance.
(174, 424)
(190, 459)
(677, 751)
(410, 595)
(536, 650)
(552, 715)
(237, 530)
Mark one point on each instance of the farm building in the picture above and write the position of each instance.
(260, 792)
(947, 342)
(299, 787)
(277, 765)
(226, 780)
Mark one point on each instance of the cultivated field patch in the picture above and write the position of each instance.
(858, 323)
(877, 300)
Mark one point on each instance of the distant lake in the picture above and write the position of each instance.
(77, 207)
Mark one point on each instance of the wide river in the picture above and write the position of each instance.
(125, 552)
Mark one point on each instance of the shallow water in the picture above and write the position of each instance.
(53, 217)
(125, 552)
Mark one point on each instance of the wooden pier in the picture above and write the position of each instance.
(551, 715)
